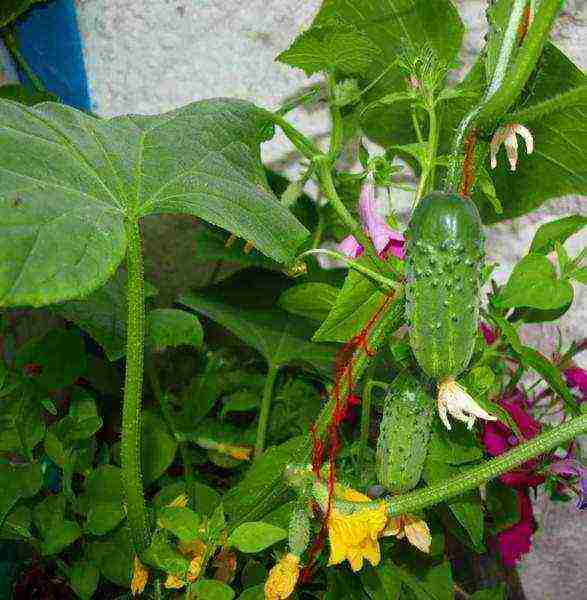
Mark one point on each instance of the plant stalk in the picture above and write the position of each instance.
(473, 478)
(132, 479)
(265, 409)
(427, 180)
(508, 79)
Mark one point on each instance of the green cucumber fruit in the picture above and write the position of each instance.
(444, 257)
(404, 434)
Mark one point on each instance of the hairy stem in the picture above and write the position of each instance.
(508, 80)
(428, 174)
(133, 386)
(336, 131)
(476, 476)
(297, 138)
(265, 409)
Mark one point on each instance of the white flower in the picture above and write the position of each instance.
(454, 400)
(507, 135)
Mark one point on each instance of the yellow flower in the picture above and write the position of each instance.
(140, 576)
(181, 501)
(173, 582)
(236, 452)
(412, 528)
(196, 551)
(282, 578)
(354, 537)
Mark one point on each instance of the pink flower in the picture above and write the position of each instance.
(516, 541)
(498, 438)
(577, 378)
(385, 239)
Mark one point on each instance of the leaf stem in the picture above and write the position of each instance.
(265, 409)
(427, 179)
(133, 386)
(12, 46)
(297, 138)
(337, 131)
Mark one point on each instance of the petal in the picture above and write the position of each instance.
(511, 148)
(350, 247)
(418, 534)
(374, 223)
(526, 134)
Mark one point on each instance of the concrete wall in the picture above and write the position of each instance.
(149, 56)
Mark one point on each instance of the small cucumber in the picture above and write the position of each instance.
(404, 434)
(444, 257)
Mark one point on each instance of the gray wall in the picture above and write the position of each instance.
(149, 56)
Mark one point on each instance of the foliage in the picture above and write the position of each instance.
(252, 402)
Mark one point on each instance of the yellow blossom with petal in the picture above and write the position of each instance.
(140, 576)
(414, 529)
(282, 578)
(355, 537)
(173, 582)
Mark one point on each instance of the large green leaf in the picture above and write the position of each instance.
(396, 27)
(281, 338)
(69, 181)
(12, 9)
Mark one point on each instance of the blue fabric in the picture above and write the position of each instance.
(49, 40)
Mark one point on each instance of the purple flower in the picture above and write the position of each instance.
(570, 467)
(384, 238)
(577, 378)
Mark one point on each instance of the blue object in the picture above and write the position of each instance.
(50, 42)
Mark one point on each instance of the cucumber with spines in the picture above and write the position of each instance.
(444, 259)
(404, 434)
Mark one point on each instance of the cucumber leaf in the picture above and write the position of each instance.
(70, 181)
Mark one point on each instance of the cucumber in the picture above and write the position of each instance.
(404, 434)
(444, 257)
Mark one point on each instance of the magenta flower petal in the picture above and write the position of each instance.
(516, 541)
(350, 247)
(395, 246)
(488, 333)
(577, 378)
(375, 225)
